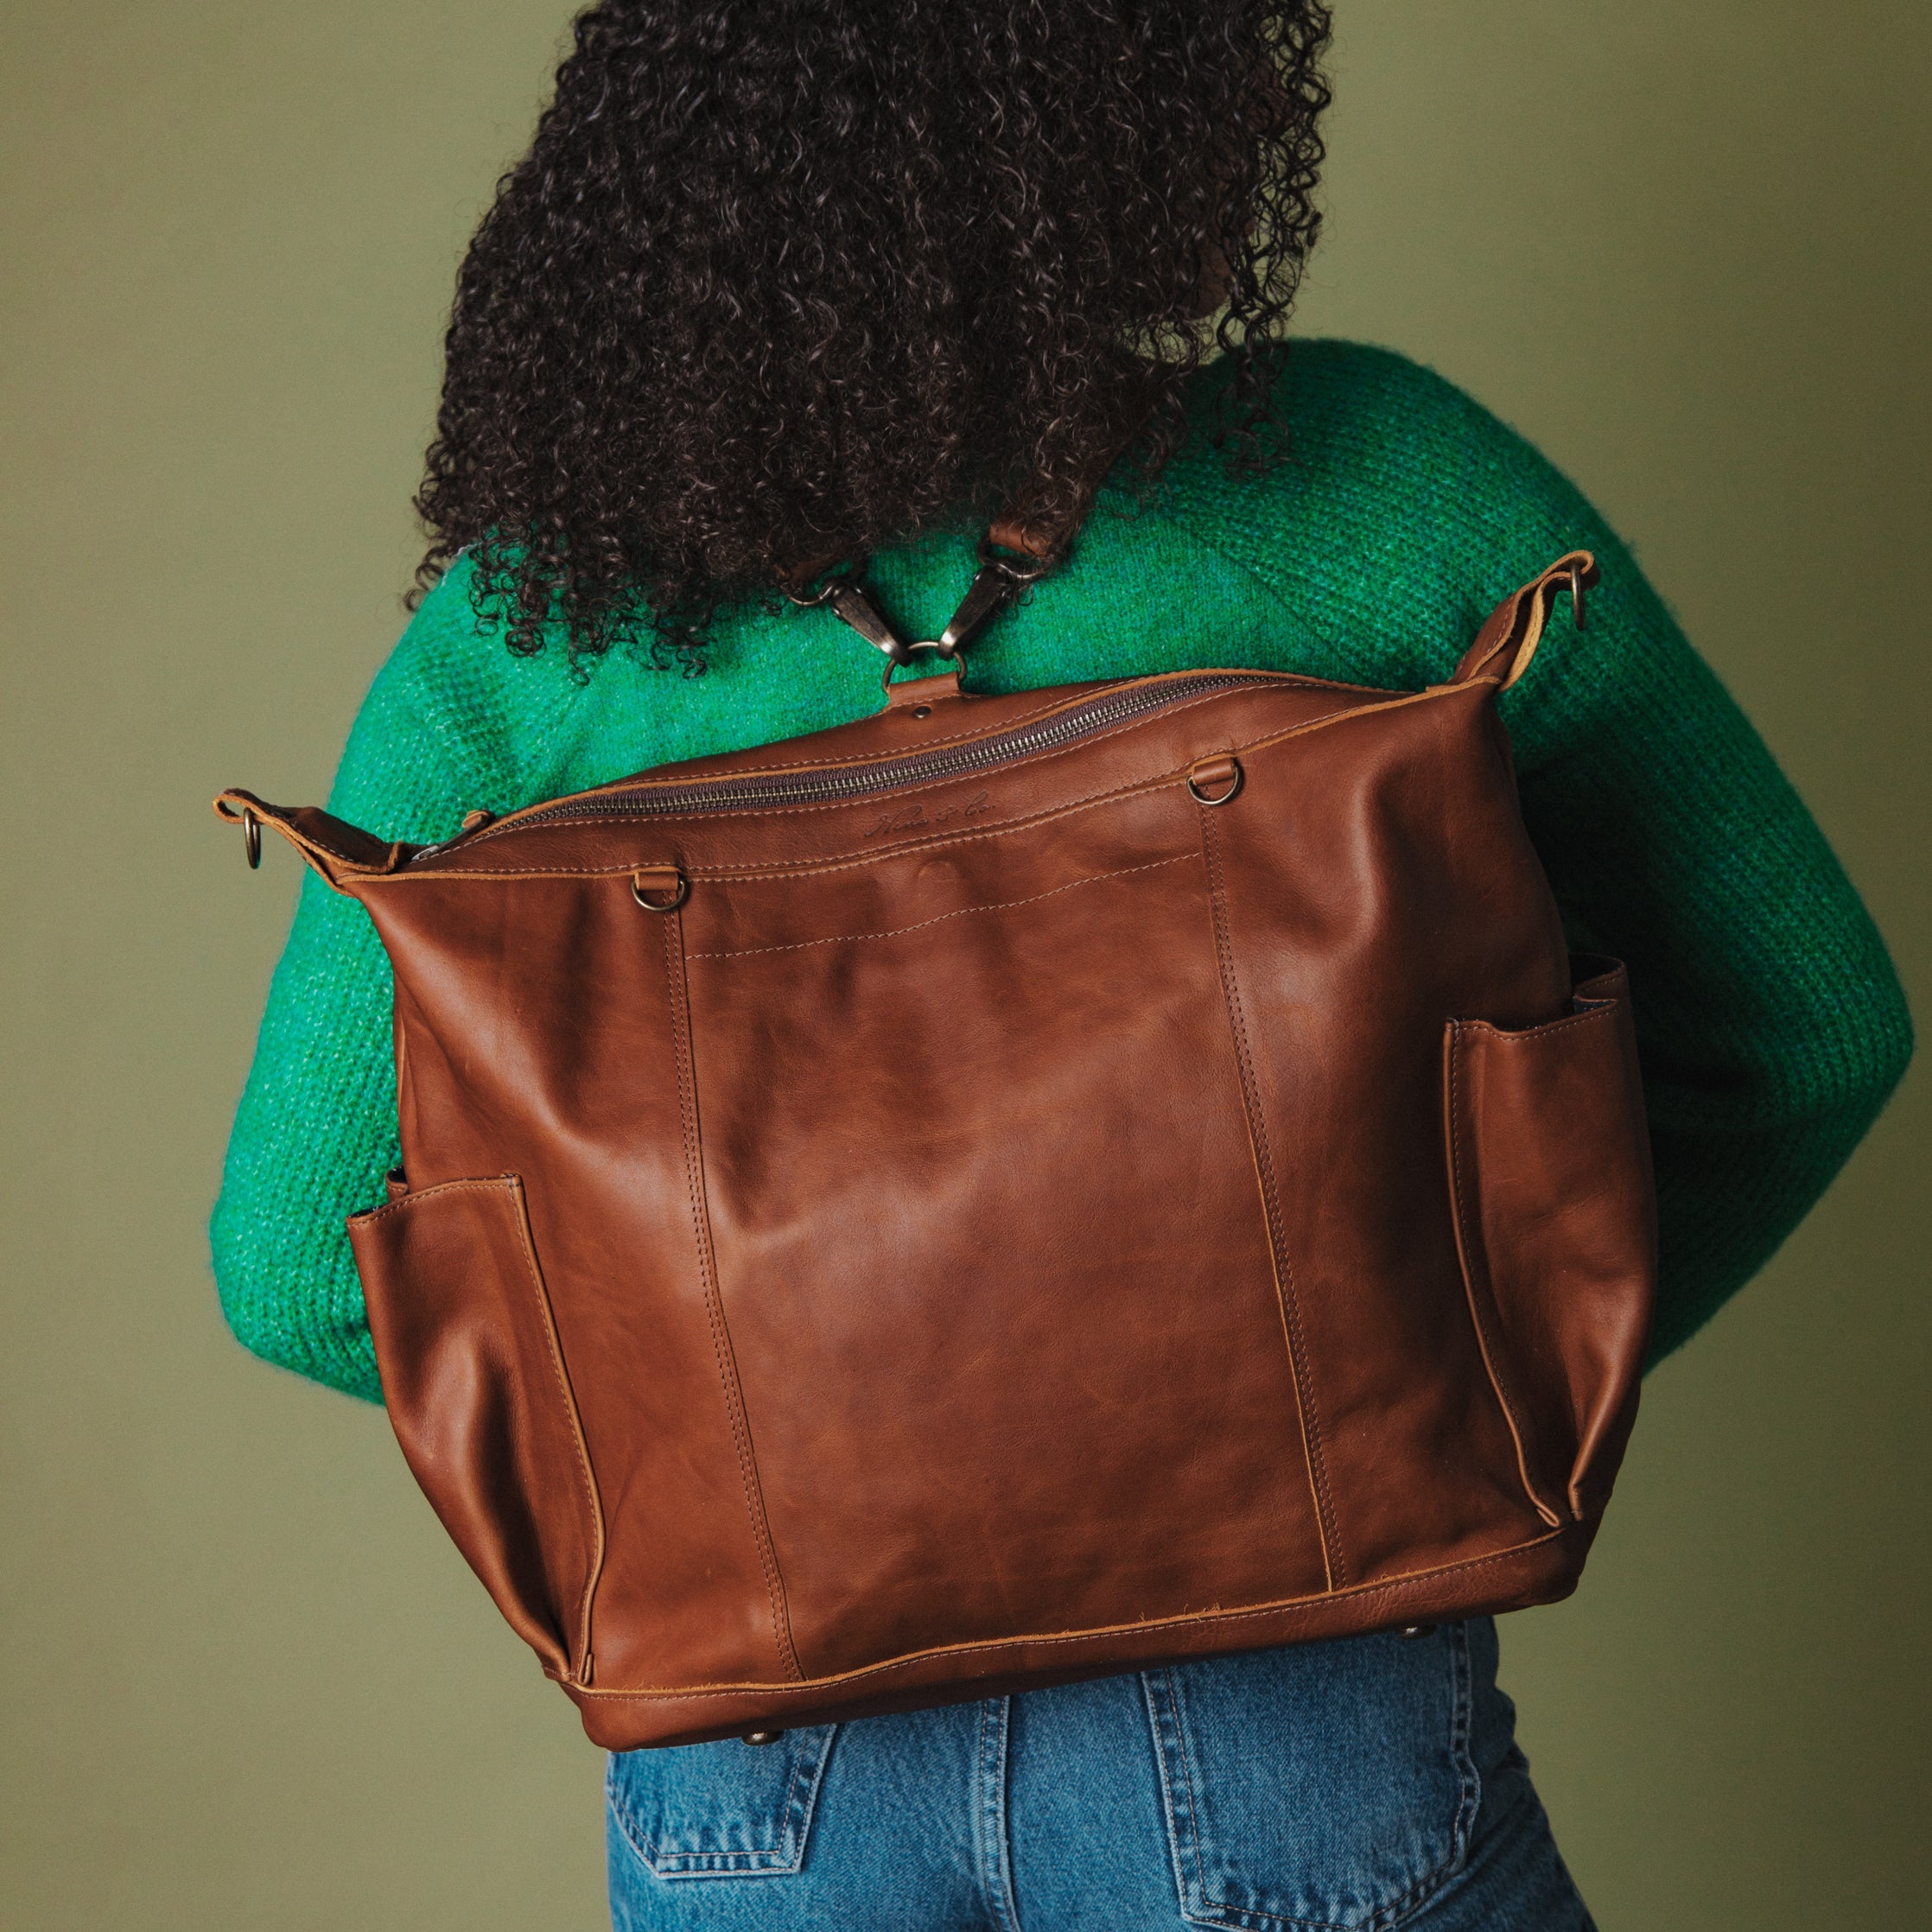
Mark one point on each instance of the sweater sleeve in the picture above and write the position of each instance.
(316, 1131)
(1771, 1024)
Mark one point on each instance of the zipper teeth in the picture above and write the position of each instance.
(856, 781)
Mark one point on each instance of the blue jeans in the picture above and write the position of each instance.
(1366, 1784)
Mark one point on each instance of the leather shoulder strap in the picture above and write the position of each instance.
(1508, 638)
(340, 852)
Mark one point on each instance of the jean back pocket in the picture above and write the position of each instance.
(729, 1809)
(1325, 1786)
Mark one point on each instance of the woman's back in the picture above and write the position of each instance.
(1404, 513)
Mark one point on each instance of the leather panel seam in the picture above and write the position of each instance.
(515, 821)
(494, 1183)
(1380, 701)
(1489, 1346)
(939, 918)
(846, 860)
(1032, 760)
(1262, 1153)
(714, 1304)
(519, 1205)
(1358, 1592)
(1601, 1012)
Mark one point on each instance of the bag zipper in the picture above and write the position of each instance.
(860, 781)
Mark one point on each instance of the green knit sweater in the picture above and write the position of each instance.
(1770, 1023)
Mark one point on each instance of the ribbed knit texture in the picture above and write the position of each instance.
(1770, 1023)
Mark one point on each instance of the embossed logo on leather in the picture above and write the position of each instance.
(915, 817)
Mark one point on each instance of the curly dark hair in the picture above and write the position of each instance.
(779, 281)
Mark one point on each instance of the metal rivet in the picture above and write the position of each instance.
(763, 1736)
(922, 710)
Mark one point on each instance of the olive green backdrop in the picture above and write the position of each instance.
(246, 1681)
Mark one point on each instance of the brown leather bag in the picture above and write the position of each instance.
(1014, 1189)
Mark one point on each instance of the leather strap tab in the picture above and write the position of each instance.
(340, 852)
(1508, 638)
(1041, 541)
(920, 694)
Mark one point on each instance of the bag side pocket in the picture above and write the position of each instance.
(478, 1392)
(1550, 1171)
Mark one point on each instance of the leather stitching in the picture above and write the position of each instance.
(1432, 695)
(843, 861)
(1325, 1525)
(1365, 1592)
(1033, 760)
(512, 1186)
(1601, 1007)
(1490, 1346)
(714, 1306)
(317, 852)
(514, 821)
(417, 1194)
(586, 1666)
(893, 932)
(1517, 640)
(1505, 1036)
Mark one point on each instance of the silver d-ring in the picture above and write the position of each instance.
(1214, 781)
(679, 887)
(252, 837)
